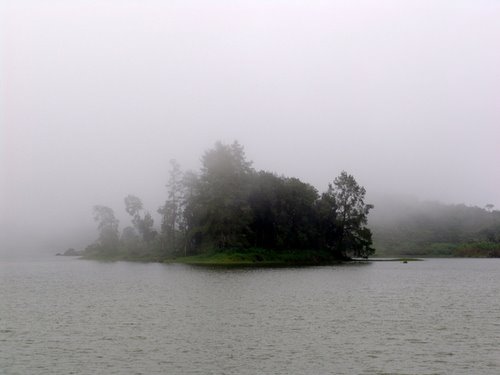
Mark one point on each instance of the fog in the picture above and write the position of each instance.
(98, 96)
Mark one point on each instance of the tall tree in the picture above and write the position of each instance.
(221, 197)
(146, 227)
(171, 211)
(192, 213)
(345, 215)
(108, 228)
(143, 225)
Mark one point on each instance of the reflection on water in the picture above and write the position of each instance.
(64, 316)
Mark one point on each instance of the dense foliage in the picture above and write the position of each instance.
(435, 229)
(229, 206)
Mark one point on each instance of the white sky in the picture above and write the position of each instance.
(97, 96)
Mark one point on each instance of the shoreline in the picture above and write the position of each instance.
(246, 259)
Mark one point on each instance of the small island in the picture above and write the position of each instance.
(231, 214)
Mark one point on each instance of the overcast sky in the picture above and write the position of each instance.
(98, 96)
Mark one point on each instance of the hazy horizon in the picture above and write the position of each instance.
(97, 97)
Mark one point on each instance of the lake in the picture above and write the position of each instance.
(63, 315)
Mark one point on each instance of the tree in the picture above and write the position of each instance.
(129, 240)
(108, 228)
(296, 214)
(143, 225)
(220, 198)
(191, 222)
(133, 205)
(171, 211)
(263, 198)
(345, 215)
(282, 212)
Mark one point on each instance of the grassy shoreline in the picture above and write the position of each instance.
(242, 258)
(239, 260)
(236, 257)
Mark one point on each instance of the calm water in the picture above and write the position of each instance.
(69, 316)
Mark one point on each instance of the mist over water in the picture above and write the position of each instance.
(97, 97)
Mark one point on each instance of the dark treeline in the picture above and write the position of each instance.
(436, 229)
(229, 206)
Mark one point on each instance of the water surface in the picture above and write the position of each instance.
(69, 316)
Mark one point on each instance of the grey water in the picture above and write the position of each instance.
(69, 316)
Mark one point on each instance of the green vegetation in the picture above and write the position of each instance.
(429, 229)
(257, 257)
(231, 213)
